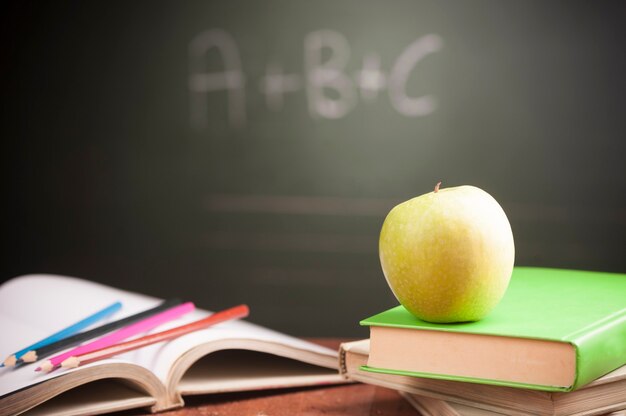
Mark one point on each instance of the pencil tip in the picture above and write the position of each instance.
(47, 366)
(10, 361)
(71, 362)
(29, 357)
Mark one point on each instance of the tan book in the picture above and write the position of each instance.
(604, 395)
(231, 356)
(427, 406)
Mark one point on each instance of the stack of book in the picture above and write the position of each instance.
(556, 345)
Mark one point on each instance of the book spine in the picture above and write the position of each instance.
(601, 349)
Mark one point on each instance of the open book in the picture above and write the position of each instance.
(455, 398)
(232, 356)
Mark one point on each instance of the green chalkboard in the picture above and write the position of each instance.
(235, 151)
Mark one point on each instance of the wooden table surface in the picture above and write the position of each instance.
(347, 399)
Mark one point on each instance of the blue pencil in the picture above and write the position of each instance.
(64, 333)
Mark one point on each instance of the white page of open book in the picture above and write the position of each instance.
(34, 306)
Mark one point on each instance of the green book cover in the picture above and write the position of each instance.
(585, 309)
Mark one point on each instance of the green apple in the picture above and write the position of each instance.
(448, 255)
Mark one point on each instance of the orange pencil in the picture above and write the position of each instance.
(236, 312)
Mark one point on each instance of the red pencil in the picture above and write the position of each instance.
(236, 312)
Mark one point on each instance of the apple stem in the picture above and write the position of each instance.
(437, 186)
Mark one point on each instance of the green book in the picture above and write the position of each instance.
(554, 330)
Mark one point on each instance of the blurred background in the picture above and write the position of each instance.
(237, 151)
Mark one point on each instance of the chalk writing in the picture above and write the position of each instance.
(331, 92)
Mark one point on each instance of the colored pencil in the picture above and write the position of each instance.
(40, 353)
(119, 335)
(236, 312)
(64, 333)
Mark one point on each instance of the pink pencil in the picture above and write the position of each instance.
(117, 336)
